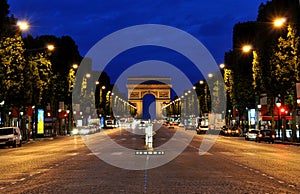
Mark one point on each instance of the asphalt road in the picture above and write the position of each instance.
(232, 165)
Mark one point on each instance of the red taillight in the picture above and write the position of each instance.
(273, 136)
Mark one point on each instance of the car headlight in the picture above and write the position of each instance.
(75, 131)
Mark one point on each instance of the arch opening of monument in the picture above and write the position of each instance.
(140, 87)
(149, 107)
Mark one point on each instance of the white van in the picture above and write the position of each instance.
(10, 136)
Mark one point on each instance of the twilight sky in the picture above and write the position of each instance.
(87, 22)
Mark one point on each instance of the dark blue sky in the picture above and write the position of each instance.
(211, 22)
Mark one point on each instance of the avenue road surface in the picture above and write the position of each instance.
(66, 165)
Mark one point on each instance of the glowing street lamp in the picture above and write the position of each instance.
(23, 25)
(222, 66)
(50, 47)
(75, 66)
(279, 22)
(247, 48)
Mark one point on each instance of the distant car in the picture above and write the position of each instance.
(202, 129)
(109, 124)
(171, 125)
(189, 127)
(265, 135)
(181, 125)
(233, 131)
(223, 130)
(11, 136)
(251, 135)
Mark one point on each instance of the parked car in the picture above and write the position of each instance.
(11, 136)
(202, 129)
(265, 135)
(251, 135)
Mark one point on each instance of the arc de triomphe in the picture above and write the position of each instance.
(159, 87)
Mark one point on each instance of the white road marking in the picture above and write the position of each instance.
(116, 153)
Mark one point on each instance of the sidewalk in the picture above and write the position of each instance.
(287, 143)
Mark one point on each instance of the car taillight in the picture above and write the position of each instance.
(260, 135)
(273, 136)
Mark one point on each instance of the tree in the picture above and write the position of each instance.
(7, 23)
(12, 69)
(286, 68)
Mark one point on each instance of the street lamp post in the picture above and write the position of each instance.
(278, 104)
(2, 119)
(258, 115)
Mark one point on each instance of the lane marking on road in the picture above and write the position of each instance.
(1, 188)
(116, 153)
(249, 153)
(146, 174)
(281, 182)
(197, 148)
(22, 179)
(72, 154)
